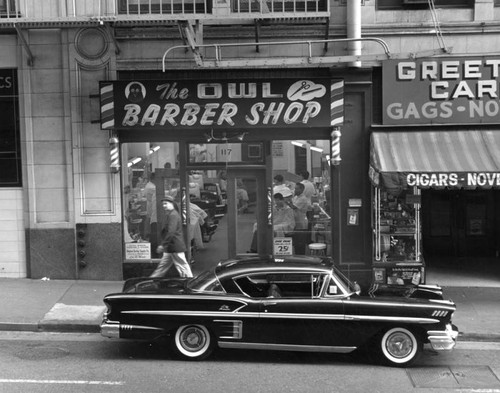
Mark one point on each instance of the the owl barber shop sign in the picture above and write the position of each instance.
(189, 104)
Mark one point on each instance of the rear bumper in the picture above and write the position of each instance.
(113, 329)
(443, 340)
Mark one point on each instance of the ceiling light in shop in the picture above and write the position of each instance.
(134, 161)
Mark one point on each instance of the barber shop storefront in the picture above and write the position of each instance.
(435, 166)
(223, 144)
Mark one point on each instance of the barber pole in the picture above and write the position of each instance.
(336, 118)
(114, 154)
(269, 206)
(335, 137)
(184, 206)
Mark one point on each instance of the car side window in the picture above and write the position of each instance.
(295, 285)
(280, 285)
(253, 285)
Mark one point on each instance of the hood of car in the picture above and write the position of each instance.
(433, 292)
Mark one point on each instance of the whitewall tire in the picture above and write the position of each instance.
(193, 342)
(400, 347)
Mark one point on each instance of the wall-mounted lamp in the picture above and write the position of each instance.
(134, 161)
(318, 149)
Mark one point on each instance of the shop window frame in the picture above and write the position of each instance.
(164, 7)
(8, 9)
(10, 147)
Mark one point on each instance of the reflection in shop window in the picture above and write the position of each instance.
(301, 197)
(151, 174)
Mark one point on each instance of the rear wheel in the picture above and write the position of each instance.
(193, 342)
(400, 347)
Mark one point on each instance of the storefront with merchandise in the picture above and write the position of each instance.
(222, 145)
(434, 166)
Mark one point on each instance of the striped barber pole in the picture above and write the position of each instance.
(336, 118)
(184, 206)
(335, 138)
(107, 106)
(114, 154)
(337, 103)
(269, 206)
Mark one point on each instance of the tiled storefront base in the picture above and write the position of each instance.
(53, 253)
(12, 237)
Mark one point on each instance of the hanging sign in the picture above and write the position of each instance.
(443, 90)
(190, 104)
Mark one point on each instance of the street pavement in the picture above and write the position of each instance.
(76, 306)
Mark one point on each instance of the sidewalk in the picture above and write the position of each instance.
(76, 306)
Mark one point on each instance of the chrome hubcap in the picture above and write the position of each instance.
(399, 345)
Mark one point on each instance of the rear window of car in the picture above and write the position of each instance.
(206, 282)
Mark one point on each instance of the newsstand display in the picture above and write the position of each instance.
(397, 238)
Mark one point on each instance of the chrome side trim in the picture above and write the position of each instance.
(235, 328)
(285, 347)
(187, 313)
(391, 319)
(327, 317)
(271, 315)
(443, 304)
(156, 296)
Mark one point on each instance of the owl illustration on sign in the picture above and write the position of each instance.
(135, 92)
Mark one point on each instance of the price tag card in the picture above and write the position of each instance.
(283, 246)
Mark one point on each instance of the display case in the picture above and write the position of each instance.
(397, 238)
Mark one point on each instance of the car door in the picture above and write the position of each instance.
(298, 315)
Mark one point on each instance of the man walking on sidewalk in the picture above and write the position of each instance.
(172, 244)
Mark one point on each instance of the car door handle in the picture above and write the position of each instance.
(270, 303)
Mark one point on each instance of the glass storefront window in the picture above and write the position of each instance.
(223, 193)
(150, 174)
(301, 197)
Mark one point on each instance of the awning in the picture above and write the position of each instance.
(435, 159)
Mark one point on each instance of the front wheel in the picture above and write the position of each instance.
(193, 342)
(399, 347)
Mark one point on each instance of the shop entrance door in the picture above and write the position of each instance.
(458, 223)
(247, 226)
(243, 228)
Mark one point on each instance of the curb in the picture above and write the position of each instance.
(19, 327)
(490, 337)
(49, 327)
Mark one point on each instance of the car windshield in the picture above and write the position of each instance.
(349, 286)
(205, 282)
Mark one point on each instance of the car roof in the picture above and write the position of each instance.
(255, 264)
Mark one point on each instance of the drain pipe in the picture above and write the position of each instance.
(354, 29)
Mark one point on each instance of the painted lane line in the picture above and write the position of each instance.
(68, 382)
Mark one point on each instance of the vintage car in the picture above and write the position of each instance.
(296, 304)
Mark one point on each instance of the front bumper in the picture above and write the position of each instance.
(111, 330)
(443, 340)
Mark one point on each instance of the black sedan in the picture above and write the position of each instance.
(297, 304)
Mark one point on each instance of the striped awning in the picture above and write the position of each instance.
(435, 159)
